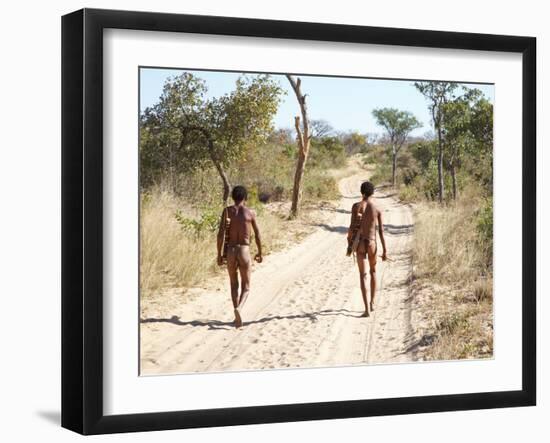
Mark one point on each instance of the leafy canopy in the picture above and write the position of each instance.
(398, 124)
(186, 129)
(437, 94)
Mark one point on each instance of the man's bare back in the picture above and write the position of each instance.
(240, 224)
(370, 217)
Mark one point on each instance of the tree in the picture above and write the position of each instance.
(398, 125)
(437, 94)
(320, 128)
(303, 138)
(482, 124)
(194, 130)
(164, 153)
(457, 135)
(482, 129)
(468, 129)
(354, 142)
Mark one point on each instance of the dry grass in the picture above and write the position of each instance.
(169, 255)
(453, 283)
(445, 244)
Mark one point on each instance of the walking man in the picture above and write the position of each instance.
(233, 243)
(365, 215)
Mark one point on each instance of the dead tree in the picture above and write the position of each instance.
(303, 138)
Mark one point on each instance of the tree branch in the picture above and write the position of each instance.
(296, 86)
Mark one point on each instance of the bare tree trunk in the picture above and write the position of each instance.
(172, 169)
(393, 167)
(303, 138)
(454, 163)
(440, 166)
(225, 181)
(298, 186)
(215, 160)
(453, 177)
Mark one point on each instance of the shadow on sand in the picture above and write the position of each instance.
(388, 228)
(217, 325)
(379, 197)
(398, 229)
(339, 229)
(340, 210)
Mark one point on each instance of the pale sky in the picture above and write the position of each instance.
(346, 103)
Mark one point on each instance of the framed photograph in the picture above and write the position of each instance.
(268, 221)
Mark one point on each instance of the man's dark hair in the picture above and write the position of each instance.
(239, 194)
(367, 189)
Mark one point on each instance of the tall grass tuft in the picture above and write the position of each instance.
(169, 254)
(448, 244)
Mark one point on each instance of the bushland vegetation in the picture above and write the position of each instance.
(447, 175)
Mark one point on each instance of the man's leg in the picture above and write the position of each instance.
(245, 269)
(232, 265)
(371, 252)
(362, 278)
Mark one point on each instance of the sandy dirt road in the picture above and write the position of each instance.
(303, 310)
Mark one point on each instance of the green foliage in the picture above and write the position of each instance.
(377, 157)
(437, 94)
(482, 122)
(290, 150)
(354, 142)
(398, 125)
(468, 136)
(467, 144)
(327, 152)
(185, 130)
(407, 168)
(164, 151)
(208, 221)
(424, 151)
(320, 186)
(453, 322)
(242, 118)
(253, 200)
(408, 194)
(269, 169)
(485, 228)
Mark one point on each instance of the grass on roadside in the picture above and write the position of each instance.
(451, 263)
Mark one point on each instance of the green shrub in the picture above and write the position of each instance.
(253, 200)
(320, 186)
(327, 153)
(408, 193)
(207, 222)
(485, 221)
(485, 229)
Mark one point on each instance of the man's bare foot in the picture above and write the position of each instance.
(238, 319)
(365, 314)
(371, 306)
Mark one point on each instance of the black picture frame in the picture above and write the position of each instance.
(82, 218)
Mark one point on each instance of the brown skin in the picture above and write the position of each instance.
(367, 215)
(242, 221)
